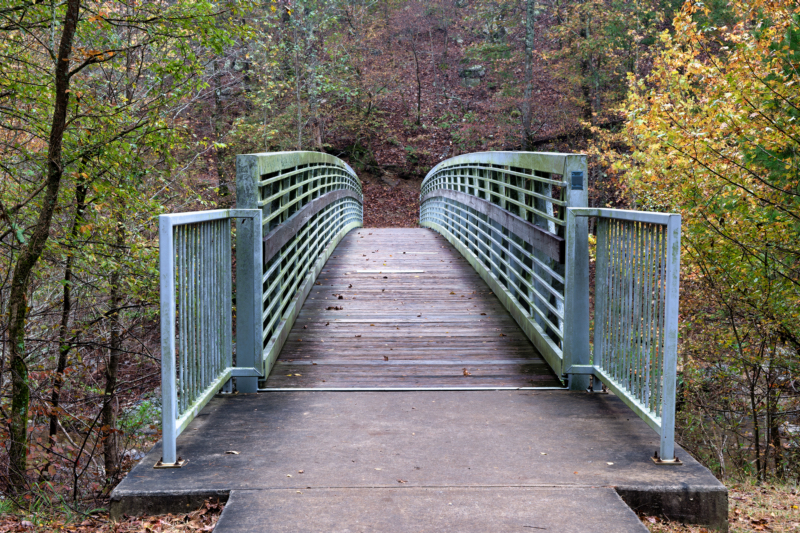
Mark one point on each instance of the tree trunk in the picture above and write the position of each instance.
(526, 103)
(224, 192)
(66, 308)
(297, 85)
(109, 423)
(18, 301)
(419, 82)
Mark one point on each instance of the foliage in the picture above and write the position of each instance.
(95, 154)
(715, 136)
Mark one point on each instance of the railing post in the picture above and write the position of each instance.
(576, 287)
(169, 393)
(670, 338)
(248, 274)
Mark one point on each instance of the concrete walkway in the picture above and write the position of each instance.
(425, 461)
(415, 460)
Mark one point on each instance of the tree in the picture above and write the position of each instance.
(83, 93)
(715, 136)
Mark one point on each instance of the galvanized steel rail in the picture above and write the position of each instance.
(196, 314)
(506, 213)
(293, 208)
(636, 312)
(309, 201)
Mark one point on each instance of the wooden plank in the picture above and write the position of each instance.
(405, 330)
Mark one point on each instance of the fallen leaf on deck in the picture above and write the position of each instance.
(385, 357)
(467, 372)
(402, 480)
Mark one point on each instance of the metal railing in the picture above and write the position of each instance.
(294, 208)
(506, 213)
(637, 273)
(196, 314)
(309, 201)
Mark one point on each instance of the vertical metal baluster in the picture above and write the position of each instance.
(618, 315)
(620, 342)
(180, 246)
(637, 314)
(191, 320)
(228, 294)
(629, 266)
(207, 308)
(618, 311)
(654, 318)
(648, 304)
(198, 309)
(205, 287)
(198, 284)
(216, 312)
(610, 295)
(187, 313)
(661, 309)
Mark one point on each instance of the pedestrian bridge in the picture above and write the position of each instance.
(491, 293)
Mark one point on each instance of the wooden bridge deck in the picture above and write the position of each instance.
(434, 324)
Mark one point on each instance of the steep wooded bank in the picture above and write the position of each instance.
(112, 114)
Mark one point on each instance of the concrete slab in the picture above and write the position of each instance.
(423, 510)
(384, 440)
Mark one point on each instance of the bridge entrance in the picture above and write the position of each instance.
(488, 300)
(492, 293)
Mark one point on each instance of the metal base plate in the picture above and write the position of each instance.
(674, 462)
(177, 464)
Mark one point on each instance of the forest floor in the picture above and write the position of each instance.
(391, 202)
(203, 519)
(750, 508)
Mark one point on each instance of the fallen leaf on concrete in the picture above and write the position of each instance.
(232, 452)
(402, 481)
